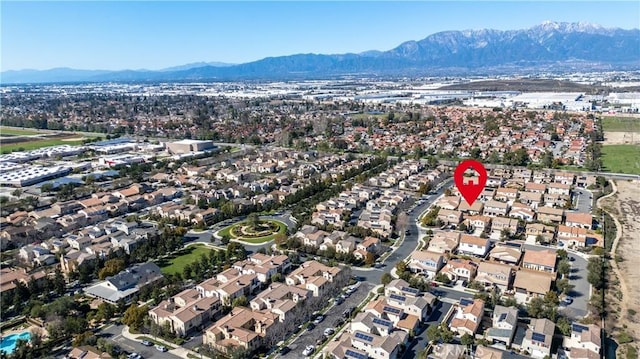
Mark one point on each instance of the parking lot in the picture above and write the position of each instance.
(310, 337)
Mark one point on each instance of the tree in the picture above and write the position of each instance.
(564, 326)
(111, 267)
(386, 279)
(433, 333)
(564, 267)
(369, 259)
(595, 268)
(467, 339)
(241, 301)
(105, 311)
(134, 316)
(563, 286)
(253, 220)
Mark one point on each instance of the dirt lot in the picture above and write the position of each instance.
(621, 138)
(625, 206)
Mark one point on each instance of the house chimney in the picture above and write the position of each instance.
(195, 308)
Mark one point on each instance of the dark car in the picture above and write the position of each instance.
(338, 322)
(284, 350)
(311, 326)
(339, 300)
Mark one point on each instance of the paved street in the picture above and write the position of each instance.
(334, 313)
(114, 333)
(408, 245)
(583, 201)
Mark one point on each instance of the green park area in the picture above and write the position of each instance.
(620, 124)
(176, 262)
(13, 131)
(253, 230)
(621, 158)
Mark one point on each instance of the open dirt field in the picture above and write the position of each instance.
(625, 206)
(621, 138)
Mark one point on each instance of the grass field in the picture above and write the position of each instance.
(187, 255)
(282, 229)
(17, 131)
(32, 145)
(621, 158)
(620, 124)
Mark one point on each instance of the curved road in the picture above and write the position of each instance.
(408, 245)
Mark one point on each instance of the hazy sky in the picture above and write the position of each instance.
(158, 34)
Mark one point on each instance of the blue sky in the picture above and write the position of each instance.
(154, 35)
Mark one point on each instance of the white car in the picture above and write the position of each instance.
(308, 350)
(161, 348)
(328, 332)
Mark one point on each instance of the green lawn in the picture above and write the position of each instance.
(621, 158)
(17, 131)
(620, 124)
(282, 229)
(32, 145)
(187, 255)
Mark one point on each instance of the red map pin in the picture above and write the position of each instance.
(470, 190)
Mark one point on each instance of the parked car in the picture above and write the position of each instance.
(338, 322)
(321, 340)
(311, 326)
(339, 300)
(308, 350)
(146, 343)
(318, 319)
(161, 348)
(329, 331)
(284, 350)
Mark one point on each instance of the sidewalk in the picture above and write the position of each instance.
(178, 351)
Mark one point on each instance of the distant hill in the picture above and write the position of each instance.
(550, 46)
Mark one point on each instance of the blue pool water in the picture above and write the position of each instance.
(8, 343)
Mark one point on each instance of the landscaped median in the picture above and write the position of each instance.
(254, 232)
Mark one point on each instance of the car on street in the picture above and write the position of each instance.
(311, 326)
(146, 343)
(308, 350)
(284, 350)
(161, 348)
(134, 356)
(318, 319)
(327, 332)
(338, 322)
(339, 300)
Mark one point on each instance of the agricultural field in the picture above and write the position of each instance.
(621, 158)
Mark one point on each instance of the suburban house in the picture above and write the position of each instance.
(546, 233)
(493, 274)
(529, 284)
(314, 276)
(494, 208)
(550, 215)
(185, 311)
(449, 216)
(584, 341)
(579, 220)
(467, 316)
(541, 260)
(505, 253)
(244, 328)
(444, 242)
(460, 269)
(505, 321)
(473, 245)
(426, 262)
(538, 337)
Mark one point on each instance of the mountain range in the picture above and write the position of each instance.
(551, 46)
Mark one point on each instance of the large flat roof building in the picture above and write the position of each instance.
(187, 146)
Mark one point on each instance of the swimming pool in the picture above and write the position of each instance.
(8, 343)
